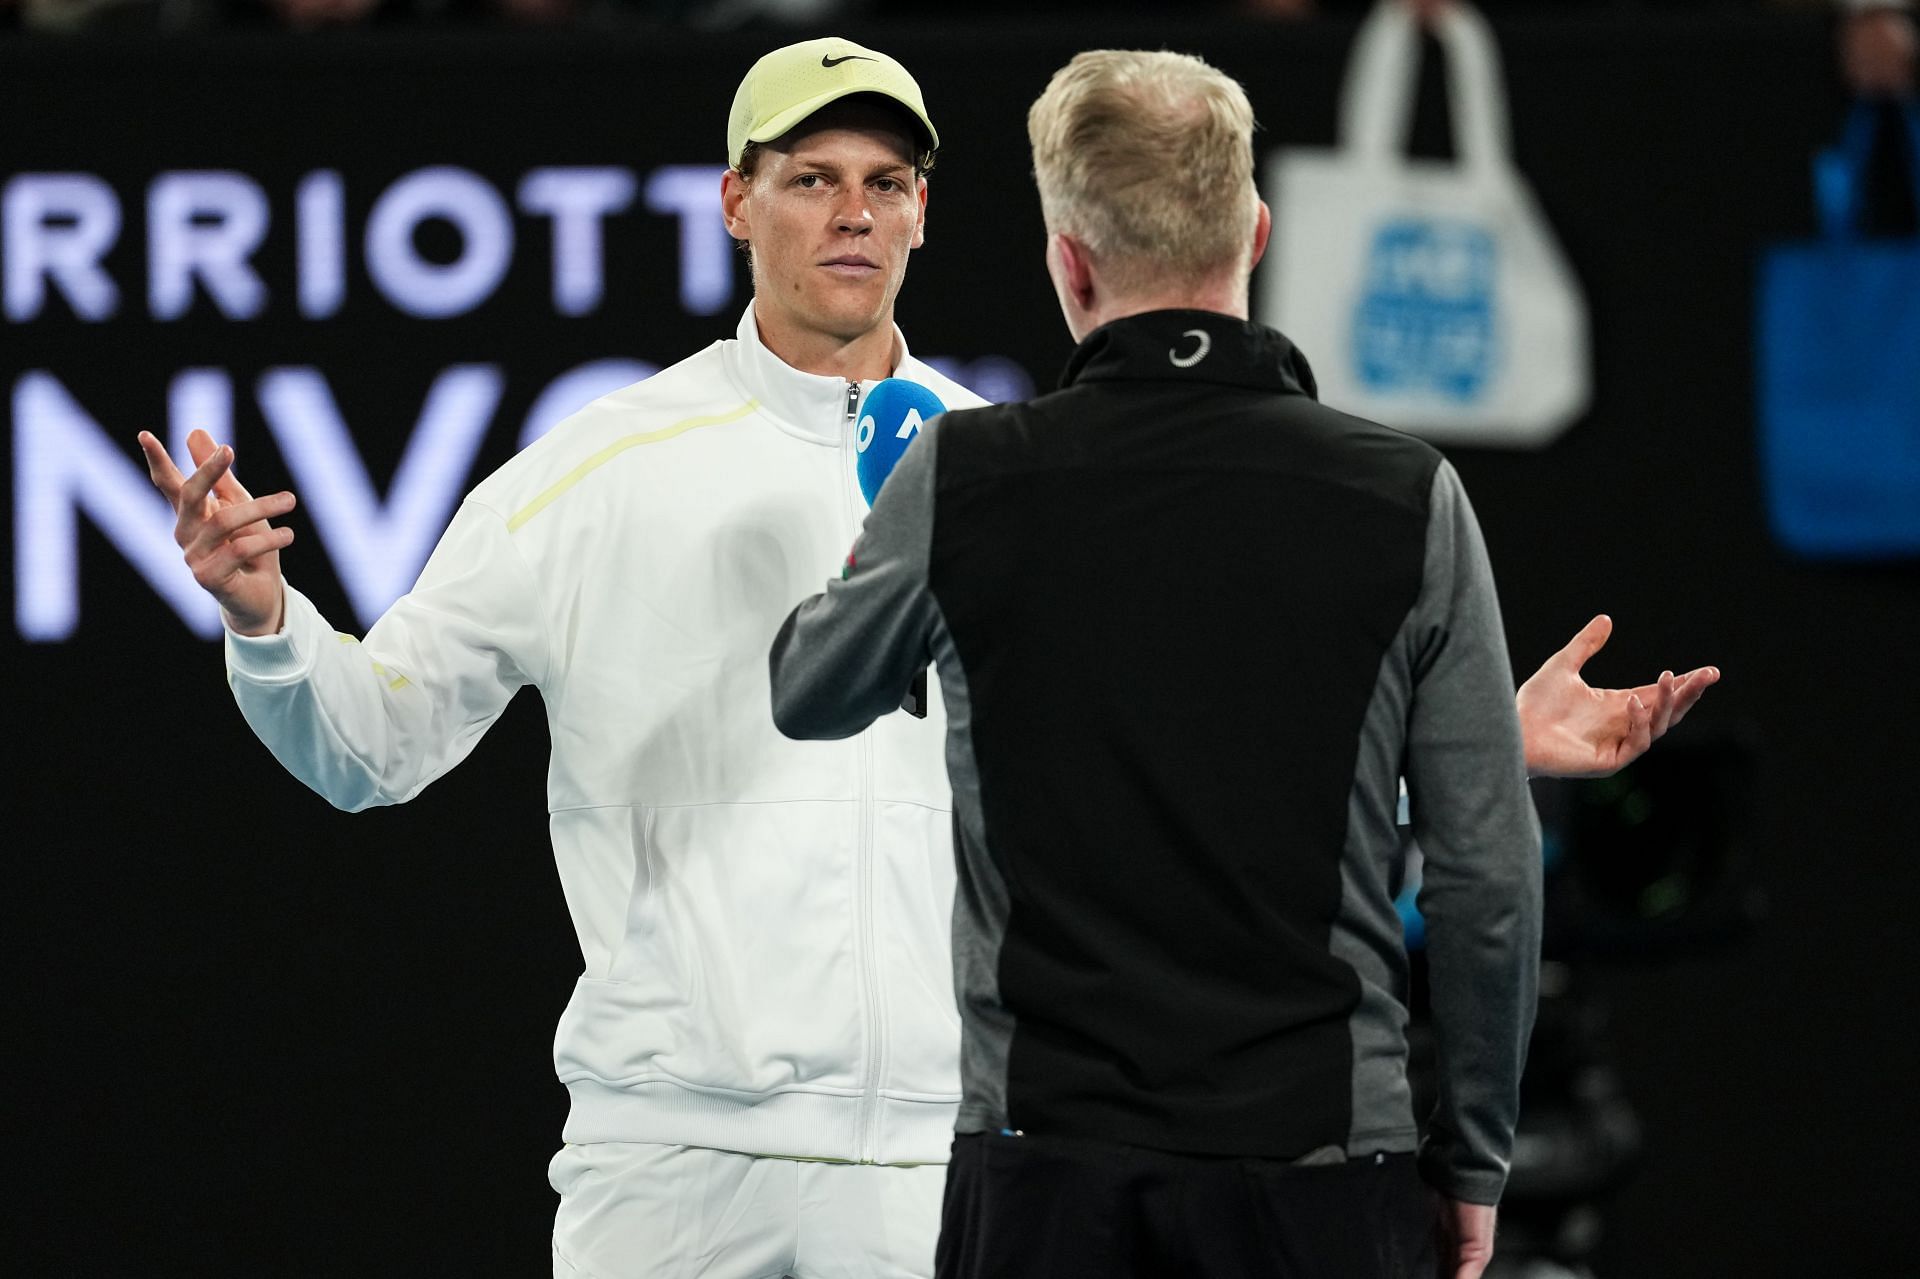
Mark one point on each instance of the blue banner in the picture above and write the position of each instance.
(1838, 349)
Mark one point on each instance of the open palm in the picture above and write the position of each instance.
(1574, 730)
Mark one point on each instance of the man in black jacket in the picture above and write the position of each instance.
(1192, 629)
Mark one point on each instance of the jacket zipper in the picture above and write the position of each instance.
(867, 1125)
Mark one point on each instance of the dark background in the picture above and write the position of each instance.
(253, 1035)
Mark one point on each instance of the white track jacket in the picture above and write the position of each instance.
(765, 923)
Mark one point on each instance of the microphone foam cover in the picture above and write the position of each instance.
(890, 420)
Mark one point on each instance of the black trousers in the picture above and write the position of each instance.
(1061, 1207)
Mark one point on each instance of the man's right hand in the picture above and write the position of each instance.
(1571, 730)
(233, 552)
(1466, 1238)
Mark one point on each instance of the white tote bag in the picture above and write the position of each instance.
(1428, 295)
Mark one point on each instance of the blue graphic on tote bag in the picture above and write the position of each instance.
(1426, 316)
(1839, 369)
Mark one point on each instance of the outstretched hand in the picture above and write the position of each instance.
(232, 549)
(1572, 730)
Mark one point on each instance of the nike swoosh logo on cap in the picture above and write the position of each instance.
(825, 61)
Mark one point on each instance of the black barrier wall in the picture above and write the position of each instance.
(257, 1036)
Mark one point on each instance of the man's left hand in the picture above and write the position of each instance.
(1571, 730)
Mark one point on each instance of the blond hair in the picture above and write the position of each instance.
(1147, 159)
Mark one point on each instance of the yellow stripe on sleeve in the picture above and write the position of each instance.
(616, 448)
(397, 683)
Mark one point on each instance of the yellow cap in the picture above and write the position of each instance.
(790, 84)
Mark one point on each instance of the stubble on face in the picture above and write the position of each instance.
(832, 211)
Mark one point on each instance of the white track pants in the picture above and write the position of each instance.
(632, 1211)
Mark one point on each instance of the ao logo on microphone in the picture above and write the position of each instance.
(912, 423)
(890, 420)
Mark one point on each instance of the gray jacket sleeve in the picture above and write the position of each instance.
(1476, 826)
(847, 656)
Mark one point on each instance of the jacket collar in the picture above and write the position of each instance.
(803, 404)
(1191, 346)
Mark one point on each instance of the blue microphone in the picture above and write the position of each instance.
(890, 420)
